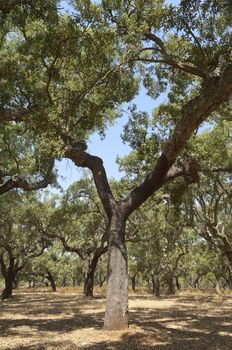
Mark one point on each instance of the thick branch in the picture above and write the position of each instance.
(95, 164)
(11, 115)
(211, 96)
(16, 182)
(67, 247)
(173, 61)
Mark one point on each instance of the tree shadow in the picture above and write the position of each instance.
(179, 322)
(63, 325)
(48, 313)
(51, 345)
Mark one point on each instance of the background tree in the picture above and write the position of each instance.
(20, 240)
(77, 221)
(208, 205)
(53, 266)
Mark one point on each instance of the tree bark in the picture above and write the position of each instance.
(133, 283)
(64, 282)
(230, 282)
(171, 288)
(92, 265)
(16, 282)
(51, 280)
(177, 283)
(88, 284)
(155, 285)
(7, 292)
(100, 280)
(9, 275)
(229, 278)
(116, 315)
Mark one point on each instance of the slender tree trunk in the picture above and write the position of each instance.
(7, 292)
(230, 282)
(229, 256)
(116, 315)
(100, 280)
(155, 285)
(64, 282)
(148, 282)
(9, 275)
(51, 280)
(171, 288)
(229, 278)
(88, 284)
(177, 283)
(16, 281)
(92, 265)
(133, 283)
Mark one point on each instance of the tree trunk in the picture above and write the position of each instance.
(51, 280)
(88, 284)
(171, 288)
(92, 265)
(9, 275)
(7, 292)
(116, 315)
(230, 270)
(100, 280)
(230, 282)
(133, 283)
(177, 283)
(148, 282)
(64, 282)
(155, 285)
(229, 279)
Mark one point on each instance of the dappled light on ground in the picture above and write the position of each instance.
(38, 320)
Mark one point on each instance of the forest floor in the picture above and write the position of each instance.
(40, 320)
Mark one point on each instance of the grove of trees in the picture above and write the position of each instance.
(68, 75)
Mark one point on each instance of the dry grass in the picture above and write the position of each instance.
(40, 320)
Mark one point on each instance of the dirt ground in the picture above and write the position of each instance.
(40, 320)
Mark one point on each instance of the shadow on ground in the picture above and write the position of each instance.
(192, 322)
